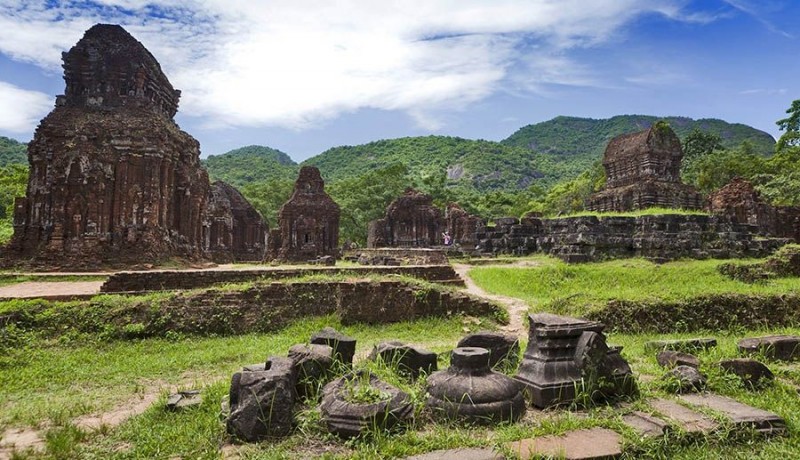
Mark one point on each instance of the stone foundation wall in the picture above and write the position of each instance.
(265, 307)
(189, 279)
(398, 256)
(661, 238)
(372, 302)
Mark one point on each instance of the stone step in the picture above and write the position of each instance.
(648, 426)
(689, 420)
(459, 454)
(587, 444)
(741, 415)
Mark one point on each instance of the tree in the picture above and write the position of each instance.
(13, 180)
(365, 198)
(699, 143)
(791, 126)
(268, 197)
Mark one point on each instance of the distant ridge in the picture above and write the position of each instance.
(12, 152)
(542, 153)
(587, 136)
(253, 163)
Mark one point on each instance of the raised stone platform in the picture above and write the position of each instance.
(166, 280)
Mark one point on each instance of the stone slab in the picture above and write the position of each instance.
(783, 347)
(594, 443)
(689, 420)
(741, 415)
(646, 425)
(459, 454)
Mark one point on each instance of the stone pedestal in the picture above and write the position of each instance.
(470, 391)
(568, 355)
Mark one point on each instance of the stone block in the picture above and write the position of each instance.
(405, 357)
(782, 347)
(646, 425)
(312, 365)
(741, 415)
(753, 373)
(594, 443)
(473, 453)
(502, 347)
(262, 402)
(688, 420)
(671, 358)
(344, 347)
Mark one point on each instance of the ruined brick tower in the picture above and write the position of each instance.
(308, 224)
(234, 231)
(113, 179)
(411, 221)
(643, 171)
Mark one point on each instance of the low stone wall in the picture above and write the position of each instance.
(264, 307)
(192, 279)
(711, 312)
(660, 238)
(397, 256)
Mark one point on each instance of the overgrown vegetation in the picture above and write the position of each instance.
(785, 262)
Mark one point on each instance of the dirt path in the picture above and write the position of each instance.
(517, 309)
(35, 289)
(22, 439)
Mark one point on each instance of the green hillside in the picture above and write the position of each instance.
(572, 136)
(478, 164)
(250, 164)
(12, 152)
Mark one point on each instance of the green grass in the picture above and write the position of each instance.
(579, 289)
(64, 381)
(60, 377)
(656, 211)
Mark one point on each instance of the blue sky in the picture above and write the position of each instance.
(303, 76)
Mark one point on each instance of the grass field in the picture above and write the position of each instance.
(61, 381)
(577, 289)
(642, 212)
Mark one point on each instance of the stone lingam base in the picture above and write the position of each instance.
(346, 416)
(568, 355)
(472, 392)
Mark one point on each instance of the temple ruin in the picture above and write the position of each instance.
(113, 179)
(234, 230)
(411, 221)
(643, 171)
(740, 201)
(308, 224)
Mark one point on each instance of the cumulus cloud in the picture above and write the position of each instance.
(295, 64)
(20, 109)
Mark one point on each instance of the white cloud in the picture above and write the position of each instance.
(21, 109)
(294, 64)
(764, 91)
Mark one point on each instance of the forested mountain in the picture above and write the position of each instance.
(577, 142)
(12, 152)
(479, 164)
(250, 164)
